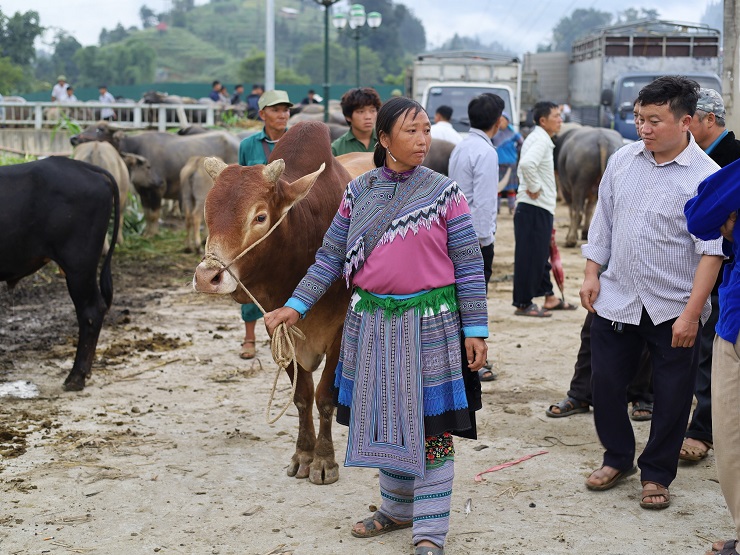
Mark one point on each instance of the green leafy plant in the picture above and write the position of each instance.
(66, 123)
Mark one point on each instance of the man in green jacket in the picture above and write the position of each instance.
(360, 109)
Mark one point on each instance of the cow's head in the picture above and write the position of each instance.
(101, 131)
(145, 179)
(241, 208)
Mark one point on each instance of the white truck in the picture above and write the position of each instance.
(609, 67)
(454, 78)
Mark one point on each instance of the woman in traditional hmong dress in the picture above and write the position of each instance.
(403, 238)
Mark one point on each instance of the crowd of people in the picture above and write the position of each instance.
(661, 326)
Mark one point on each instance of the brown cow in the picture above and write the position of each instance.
(195, 183)
(105, 156)
(242, 206)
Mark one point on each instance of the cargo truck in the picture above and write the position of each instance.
(454, 78)
(609, 67)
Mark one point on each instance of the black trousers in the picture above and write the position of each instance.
(700, 426)
(615, 357)
(639, 389)
(532, 232)
(487, 253)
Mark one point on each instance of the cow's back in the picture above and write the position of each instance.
(104, 155)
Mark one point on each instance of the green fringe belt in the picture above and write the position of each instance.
(431, 300)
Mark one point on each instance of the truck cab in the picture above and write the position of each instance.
(617, 102)
(457, 95)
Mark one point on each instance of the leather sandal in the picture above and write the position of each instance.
(660, 491)
(693, 453)
(386, 525)
(613, 481)
(724, 548)
(248, 349)
(567, 407)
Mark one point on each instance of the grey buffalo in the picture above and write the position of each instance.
(168, 153)
(582, 155)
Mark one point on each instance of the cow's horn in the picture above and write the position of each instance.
(214, 166)
(274, 170)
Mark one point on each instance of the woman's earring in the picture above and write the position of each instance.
(391, 155)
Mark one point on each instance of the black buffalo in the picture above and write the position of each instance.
(58, 209)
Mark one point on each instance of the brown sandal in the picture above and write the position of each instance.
(693, 453)
(248, 349)
(386, 525)
(659, 491)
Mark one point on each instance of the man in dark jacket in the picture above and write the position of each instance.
(708, 128)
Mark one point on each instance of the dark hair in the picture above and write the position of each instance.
(445, 112)
(354, 99)
(239, 85)
(680, 93)
(215, 83)
(387, 117)
(542, 110)
(311, 91)
(485, 110)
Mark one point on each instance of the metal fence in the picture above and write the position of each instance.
(39, 115)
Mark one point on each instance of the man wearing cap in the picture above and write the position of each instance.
(59, 91)
(274, 110)
(442, 128)
(708, 128)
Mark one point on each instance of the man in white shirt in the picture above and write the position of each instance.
(533, 219)
(655, 290)
(442, 128)
(106, 114)
(59, 91)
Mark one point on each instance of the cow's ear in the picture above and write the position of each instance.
(274, 170)
(214, 166)
(300, 187)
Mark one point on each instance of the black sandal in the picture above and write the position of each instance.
(567, 407)
(641, 405)
(386, 525)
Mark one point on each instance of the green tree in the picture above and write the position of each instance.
(579, 24)
(148, 17)
(11, 76)
(342, 66)
(252, 70)
(63, 57)
(119, 64)
(17, 35)
(114, 35)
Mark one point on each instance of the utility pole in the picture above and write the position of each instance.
(270, 46)
(731, 65)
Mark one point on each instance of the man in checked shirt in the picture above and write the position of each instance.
(655, 290)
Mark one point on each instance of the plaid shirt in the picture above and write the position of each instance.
(639, 230)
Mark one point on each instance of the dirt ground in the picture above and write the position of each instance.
(167, 449)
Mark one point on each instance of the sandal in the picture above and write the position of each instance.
(386, 525)
(724, 548)
(532, 310)
(562, 305)
(567, 407)
(248, 349)
(694, 453)
(659, 491)
(429, 550)
(641, 406)
(486, 374)
(613, 481)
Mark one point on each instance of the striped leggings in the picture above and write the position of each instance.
(426, 501)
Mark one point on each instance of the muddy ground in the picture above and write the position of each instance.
(167, 449)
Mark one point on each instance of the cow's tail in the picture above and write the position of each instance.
(603, 153)
(106, 277)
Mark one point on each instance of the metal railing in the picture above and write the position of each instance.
(39, 115)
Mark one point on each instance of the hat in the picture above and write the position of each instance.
(61, 78)
(506, 115)
(271, 98)
(710, 101)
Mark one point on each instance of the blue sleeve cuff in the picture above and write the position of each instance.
(297, 305)
(475, 331)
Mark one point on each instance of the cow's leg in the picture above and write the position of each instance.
(575, 219)
(306, 442)
(196, 219)
(90, 308)
(588, 214)
(190, 245)
(324, 468)
(151, 217)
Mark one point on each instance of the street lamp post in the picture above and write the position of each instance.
(327, 87)
(356, 20)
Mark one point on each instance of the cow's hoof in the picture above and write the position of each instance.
(299, 466)
(571, 244)
(324, 472)
(74, 385)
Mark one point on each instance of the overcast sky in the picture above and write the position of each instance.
(521, 25)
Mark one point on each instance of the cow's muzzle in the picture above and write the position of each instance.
(212, 277)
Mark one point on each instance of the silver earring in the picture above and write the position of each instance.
(391, 155)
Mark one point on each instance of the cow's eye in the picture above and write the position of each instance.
(261, 218)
